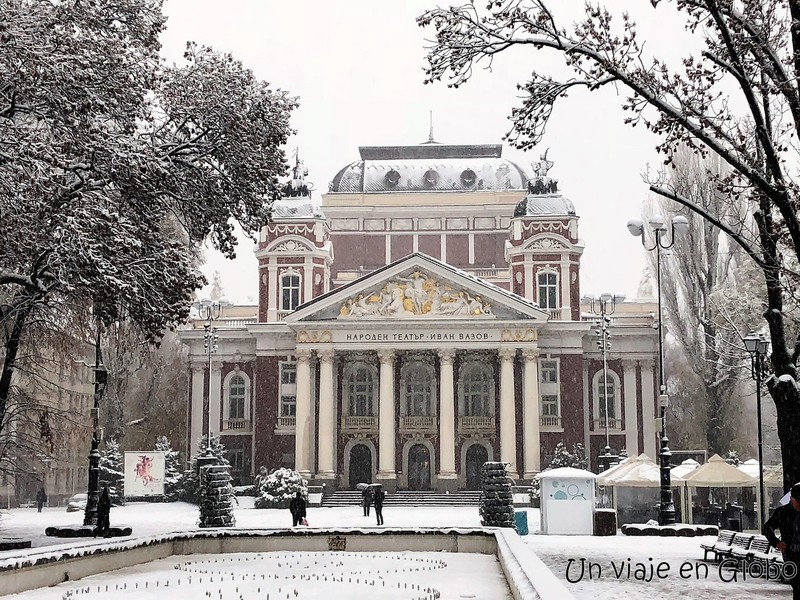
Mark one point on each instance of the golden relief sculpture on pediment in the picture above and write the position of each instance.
(416, 296)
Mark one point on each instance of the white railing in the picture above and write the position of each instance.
(360, 423)
(236, 425)
(475, 423)
(548, 421)
(600, 424)
(282, 314)
(555, 314)
(418, 423)
(286, 422)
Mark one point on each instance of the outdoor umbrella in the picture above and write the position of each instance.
(362, 486)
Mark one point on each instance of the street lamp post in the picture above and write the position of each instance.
(603, 307)
(758, 347)
(100, 379)
(210, 312)
(666, 511)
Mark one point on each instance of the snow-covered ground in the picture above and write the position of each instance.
(683, 574)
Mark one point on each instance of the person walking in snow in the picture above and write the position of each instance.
(786, 519)
(366, 500)
(41, 498)
(298, 509)
(103, 514)
(378, 500)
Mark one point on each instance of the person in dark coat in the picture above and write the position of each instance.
(41, 498)
(378, 497)
(366, 500)
(298, 509)
(103, 513)
(786, 519)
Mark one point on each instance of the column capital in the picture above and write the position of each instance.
(216, 366)
(446, 355)
(386, 356)
(303, 354)
(628, 363)
(507, 353)
(326, 354)
(530, 354)
(198, 367)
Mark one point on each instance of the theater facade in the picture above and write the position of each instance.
(420, 318)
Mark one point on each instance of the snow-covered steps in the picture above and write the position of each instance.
(406, 498)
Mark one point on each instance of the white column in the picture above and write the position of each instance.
(471, 248)
(649, 409)
(326, 420)
(386, 416)
(215, 398)
(196, 431)
(530, 413)
(303, 416)
(308, 280)
(529, 280)
(447, 437)
(566, 313)
(631, 425)
(272, 291)
(508, 418)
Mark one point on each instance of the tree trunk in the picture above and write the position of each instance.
(787, 402)
(24, 306)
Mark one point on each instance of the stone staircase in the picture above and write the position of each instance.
(406, 498)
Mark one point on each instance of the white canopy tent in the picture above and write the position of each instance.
(717, 473)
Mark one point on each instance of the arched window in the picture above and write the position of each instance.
(418, 387)
(547, 289)
(359, 389)
(610, 392)
(236, 401)
(476, 390)
(237, 392)
(290, 291)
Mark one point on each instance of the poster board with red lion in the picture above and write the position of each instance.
(144, 474)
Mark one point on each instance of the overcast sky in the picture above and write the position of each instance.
(356, 66)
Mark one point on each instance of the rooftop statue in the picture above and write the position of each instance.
(541, 167)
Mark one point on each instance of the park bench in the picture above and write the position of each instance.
(740, 546)
(722, 545)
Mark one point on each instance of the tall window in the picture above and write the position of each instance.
(548, 290)
(549, 388)
(606, 392)
(418, 387)
(288, 389)
(290, 292)
(360, 390)
(476, 386)
(237, 392)
(236, 459)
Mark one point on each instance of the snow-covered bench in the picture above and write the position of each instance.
(721, 546)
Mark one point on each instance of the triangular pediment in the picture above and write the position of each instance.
(418, 287)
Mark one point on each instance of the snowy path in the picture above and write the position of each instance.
(556, 551)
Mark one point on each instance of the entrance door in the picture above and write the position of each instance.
(360, 465)
(419, 467)
(476, 456)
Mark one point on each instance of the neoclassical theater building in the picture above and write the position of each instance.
(421, 317)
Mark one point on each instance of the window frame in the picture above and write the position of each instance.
(544, 300)
(615, 403)
(485, 380)
(287, 389)
(226, 399)
(350, 395)
(293, 299)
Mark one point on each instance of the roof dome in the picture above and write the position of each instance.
(429, 168)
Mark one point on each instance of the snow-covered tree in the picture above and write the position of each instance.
(732, 458)
(278, 488)
(564, 458)
(189, 489)
(734, 94)
(112, 471)
(173, 474)
(114, 168)
(216, 500)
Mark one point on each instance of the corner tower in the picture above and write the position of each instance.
(543, 250)
(294, 251)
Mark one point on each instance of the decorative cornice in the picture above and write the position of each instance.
(519, 335)
(314, 337)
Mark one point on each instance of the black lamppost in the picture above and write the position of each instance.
(666, 511)
(604, 306)
(210, 312)
(100, 378)
(758, 347)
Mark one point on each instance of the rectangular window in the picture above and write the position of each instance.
(288, 373)
(550, 405)
(236, 458)
(288, 406)
(290, 292)
(548, 290)
(549, 371)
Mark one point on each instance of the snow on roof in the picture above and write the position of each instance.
(566, 473)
